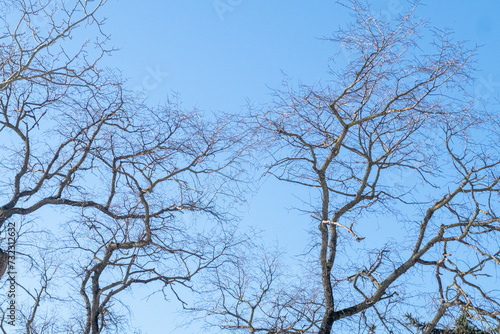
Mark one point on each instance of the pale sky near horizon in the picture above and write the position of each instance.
(222, 55)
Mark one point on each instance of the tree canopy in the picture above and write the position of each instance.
(148, 196)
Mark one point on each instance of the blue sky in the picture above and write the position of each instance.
(216, 59)
(222, 54)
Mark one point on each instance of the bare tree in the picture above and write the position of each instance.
(139, 247)
(406, 173)
(141, 187)
(253, 292)
(45, 83)
(44, 263)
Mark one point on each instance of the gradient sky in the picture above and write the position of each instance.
(220, 55)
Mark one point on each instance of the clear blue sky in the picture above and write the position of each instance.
(219, 54)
